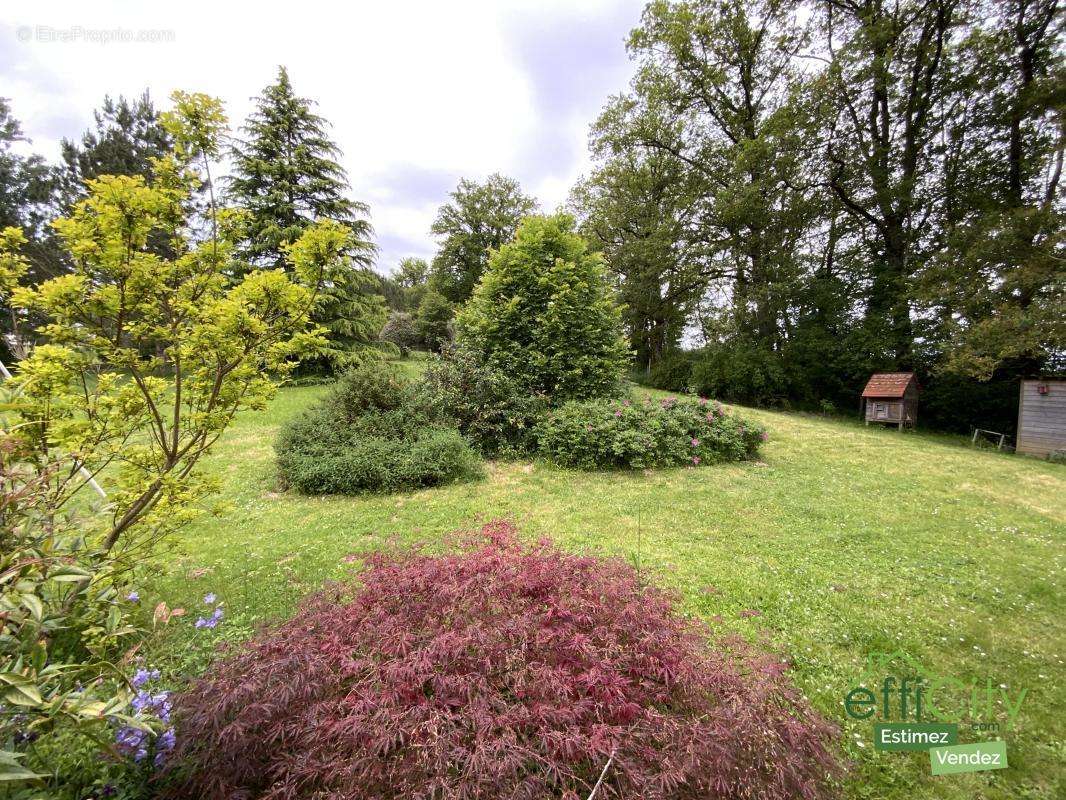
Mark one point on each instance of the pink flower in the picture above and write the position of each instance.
(764, 436)
(618, 413)
(751, 612)
(703, 401)
(695, 461)
(626, 403)
(710, 417)
(588, 427)
(695, 442)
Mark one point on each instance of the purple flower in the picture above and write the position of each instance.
(211, 621)
(209, 598)
(147, 703)
(138, 743)
(142, 676)
(131, 740)
(133, 597)
(695, 442)
(166, 739)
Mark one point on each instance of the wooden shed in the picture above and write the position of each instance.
(891, 398)
(1042, 418)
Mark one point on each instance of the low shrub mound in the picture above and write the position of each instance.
(500, 671)
(625, 434)
(372, 433)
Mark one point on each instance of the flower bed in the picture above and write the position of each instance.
(623, 434)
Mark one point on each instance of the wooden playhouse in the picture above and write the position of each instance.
(891, 398)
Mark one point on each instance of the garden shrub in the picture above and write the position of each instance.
(400, 331)
(374, 387)
(544, 314)
(68, 626)
(739, 372)
(434, 321)
(500, 670)
(601, 434)
(373, 432)
(673, 372)
(494, 411)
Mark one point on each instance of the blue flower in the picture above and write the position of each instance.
(133, 597)
(209, 598)
(213, 620)
(142, 676)
(132, 740)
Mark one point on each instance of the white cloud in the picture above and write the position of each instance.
(424, 92)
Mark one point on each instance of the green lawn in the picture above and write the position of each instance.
(847, 540)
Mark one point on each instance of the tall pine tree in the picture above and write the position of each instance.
(286, 176)
(126, 135)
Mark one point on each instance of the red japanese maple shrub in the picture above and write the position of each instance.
(501, 671)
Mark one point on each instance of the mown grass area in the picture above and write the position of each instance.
(846, 540)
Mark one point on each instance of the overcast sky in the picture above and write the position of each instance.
(419, 94)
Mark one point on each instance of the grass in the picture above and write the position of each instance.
(846, 540)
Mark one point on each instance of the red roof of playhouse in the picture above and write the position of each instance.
(888, 384)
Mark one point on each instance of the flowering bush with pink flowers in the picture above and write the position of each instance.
(636, 434)
(498, 671)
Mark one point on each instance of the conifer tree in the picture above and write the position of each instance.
(125, 137)
(286, 176)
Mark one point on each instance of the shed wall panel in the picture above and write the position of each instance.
(1041, 418)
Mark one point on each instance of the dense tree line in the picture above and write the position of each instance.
(809, 192)
(285, 177)
(789, 196)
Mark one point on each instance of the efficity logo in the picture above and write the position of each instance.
(914, 708)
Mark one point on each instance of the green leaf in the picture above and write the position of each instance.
(34, 604)
(68, 573)
(21, 690)
(12, 770)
